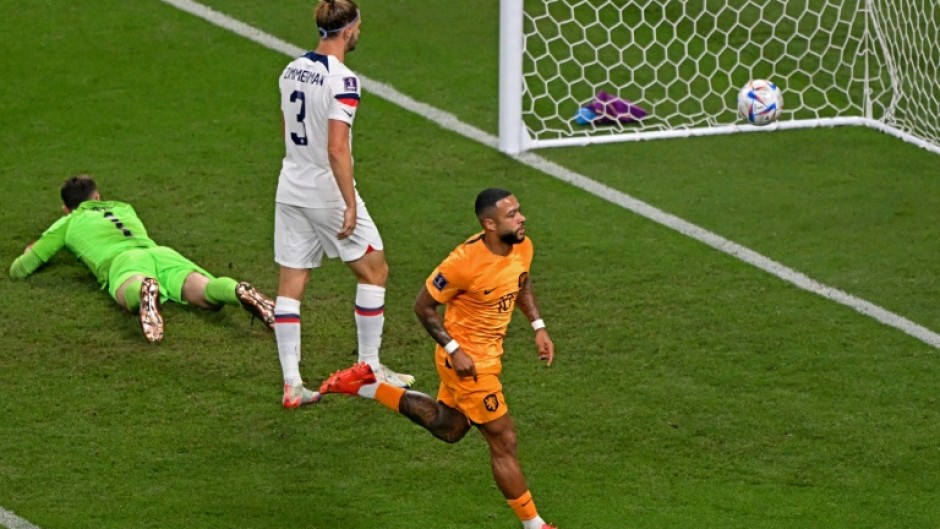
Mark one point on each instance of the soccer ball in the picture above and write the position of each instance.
(760, 102)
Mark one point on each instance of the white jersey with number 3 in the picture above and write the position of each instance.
(314, 89)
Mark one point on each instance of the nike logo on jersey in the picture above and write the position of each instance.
(348, 113)
(487, 292)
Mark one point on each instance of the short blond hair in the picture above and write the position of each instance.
(333, 16)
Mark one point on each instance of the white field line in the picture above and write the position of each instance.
(450, 122)
(12, 521)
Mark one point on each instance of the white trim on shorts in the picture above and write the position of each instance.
(303, 235)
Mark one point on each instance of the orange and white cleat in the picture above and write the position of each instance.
(349, 380)
(150, 320)
(297, 396)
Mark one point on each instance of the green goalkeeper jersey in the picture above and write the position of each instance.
(96, 232)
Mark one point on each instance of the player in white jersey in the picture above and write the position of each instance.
(318, 208)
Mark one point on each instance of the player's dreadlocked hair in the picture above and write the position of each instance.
(487, 199)
(334, 16)
(76, 190)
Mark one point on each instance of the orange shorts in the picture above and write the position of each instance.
(481, 401)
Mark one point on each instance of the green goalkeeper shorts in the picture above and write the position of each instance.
(162, 262)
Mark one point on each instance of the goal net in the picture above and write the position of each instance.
(681, 62)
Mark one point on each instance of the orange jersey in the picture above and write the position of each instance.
(479, 289)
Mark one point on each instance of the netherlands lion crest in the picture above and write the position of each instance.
(491, 402)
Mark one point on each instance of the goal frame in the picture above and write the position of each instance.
(514, 137)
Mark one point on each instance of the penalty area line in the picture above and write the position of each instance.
(450, 122)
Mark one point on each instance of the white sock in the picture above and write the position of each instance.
(287, 332)
(534, 523)
(370, 319)
(368, 391)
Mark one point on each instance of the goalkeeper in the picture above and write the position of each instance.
(109, 238)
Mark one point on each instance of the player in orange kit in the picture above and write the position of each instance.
(480, 283)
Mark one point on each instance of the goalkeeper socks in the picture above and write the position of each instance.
(132, 295)
(524, 508)
(370, 319)
(287, 332)
(221, 291)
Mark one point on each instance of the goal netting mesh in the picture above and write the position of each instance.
(872, 62)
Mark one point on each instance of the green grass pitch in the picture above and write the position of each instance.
(691, 390)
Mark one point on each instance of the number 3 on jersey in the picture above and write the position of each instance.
(299, 139)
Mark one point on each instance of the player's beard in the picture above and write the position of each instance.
(351, 45)
(511, 238)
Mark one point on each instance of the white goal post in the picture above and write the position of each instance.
(874, 63)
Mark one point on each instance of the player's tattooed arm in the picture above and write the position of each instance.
(527, 304)
(526, 301)
(426, 310)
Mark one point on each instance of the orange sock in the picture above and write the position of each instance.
(389, 395)
(523, 506)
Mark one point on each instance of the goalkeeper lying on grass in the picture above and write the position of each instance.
(109, 238)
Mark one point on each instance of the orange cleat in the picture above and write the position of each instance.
(349, 380)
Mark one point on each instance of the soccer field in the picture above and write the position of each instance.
(690, 390)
